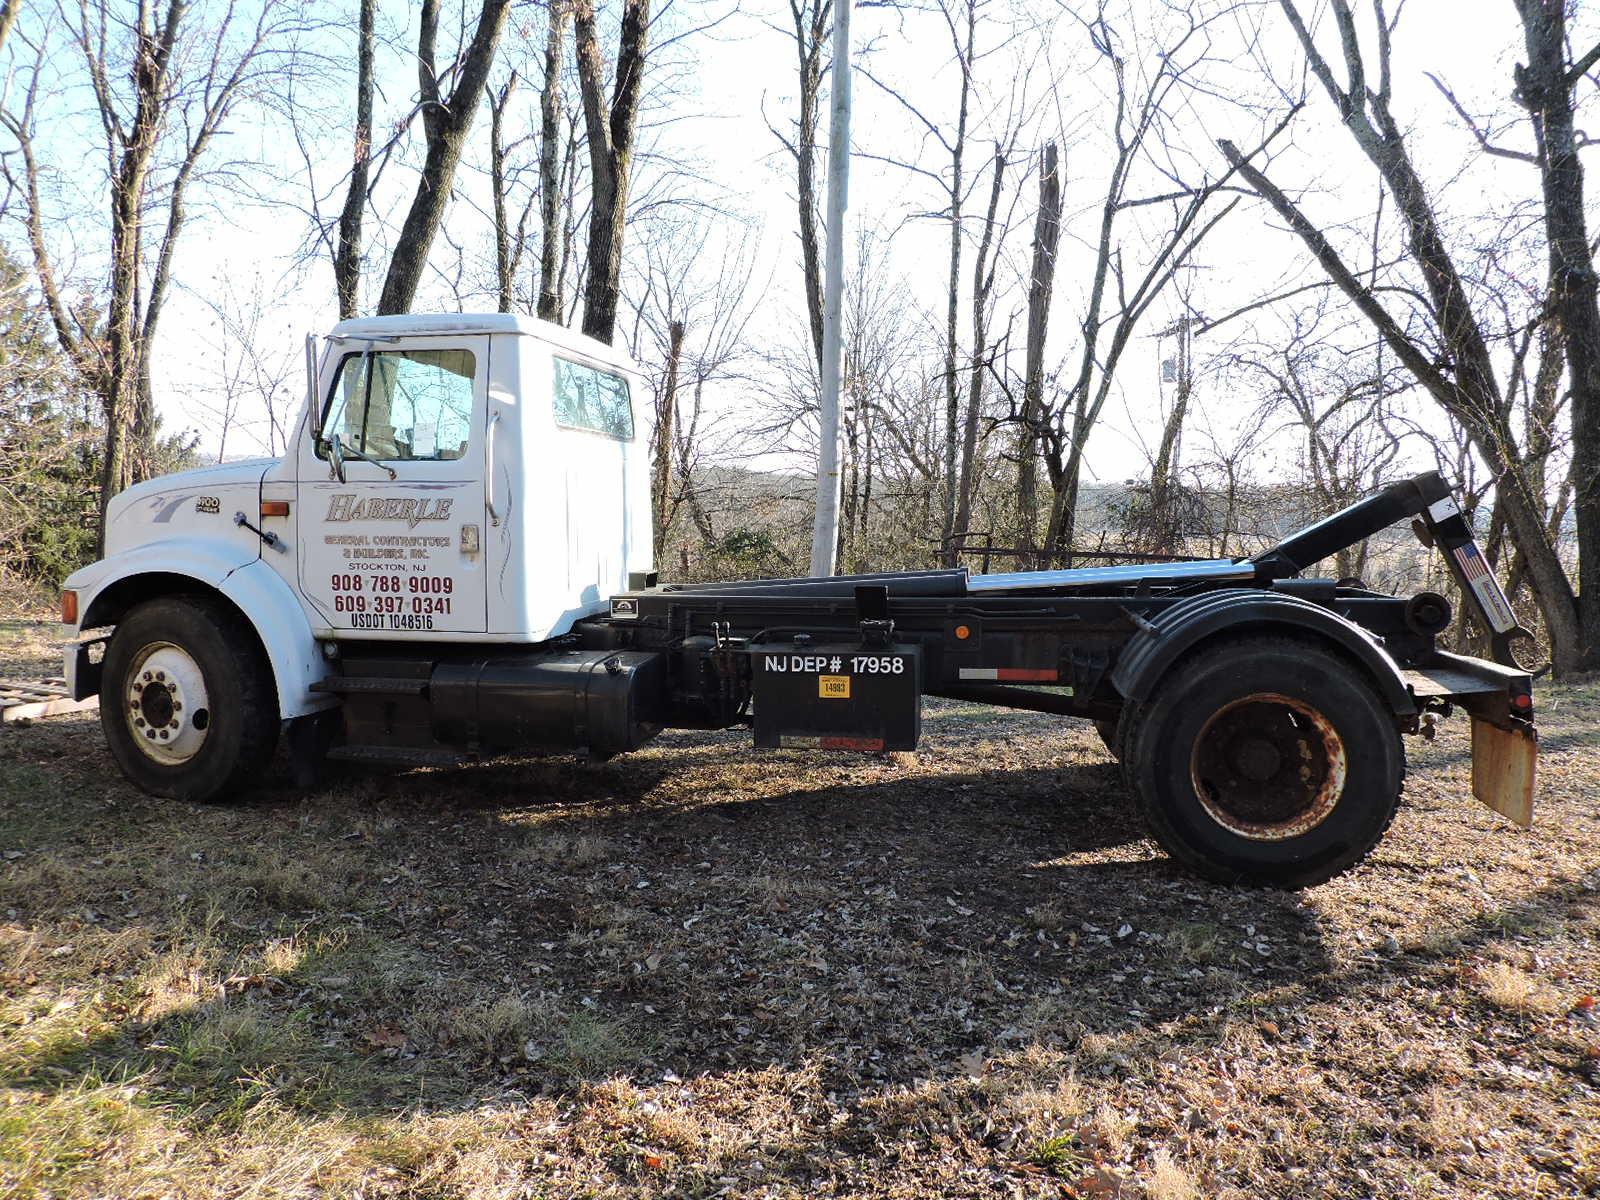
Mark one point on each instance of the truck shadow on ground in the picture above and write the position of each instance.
(458, 939)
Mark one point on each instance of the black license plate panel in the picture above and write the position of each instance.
(837, 697)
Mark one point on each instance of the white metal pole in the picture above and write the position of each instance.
(825, 531)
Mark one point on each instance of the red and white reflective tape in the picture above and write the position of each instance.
(1009, 675)
(814, 741)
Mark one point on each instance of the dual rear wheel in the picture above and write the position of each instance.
(1264, 760)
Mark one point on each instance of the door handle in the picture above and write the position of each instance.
(488, 483)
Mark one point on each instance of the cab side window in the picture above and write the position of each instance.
(405, 405)
(593, 400)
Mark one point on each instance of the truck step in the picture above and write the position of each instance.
(344, 685)
(398, 756)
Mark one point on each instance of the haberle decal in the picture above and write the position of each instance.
(346, 507)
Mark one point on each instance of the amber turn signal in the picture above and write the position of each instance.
(69, 608)
(274, 508)
(962, 633)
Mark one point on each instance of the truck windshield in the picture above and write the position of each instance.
(402, 404)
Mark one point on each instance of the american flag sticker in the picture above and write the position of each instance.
(1485, 586)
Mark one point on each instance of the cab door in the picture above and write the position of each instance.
(395, 548)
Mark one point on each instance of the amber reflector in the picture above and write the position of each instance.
(69, 608)
(962, 633)
(274, 508)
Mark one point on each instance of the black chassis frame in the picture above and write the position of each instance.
(1107, 644)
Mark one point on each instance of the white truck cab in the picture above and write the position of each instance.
(454, 478)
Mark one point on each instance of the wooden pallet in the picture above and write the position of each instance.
(24, 699)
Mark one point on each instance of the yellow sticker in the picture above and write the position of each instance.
(833, 687)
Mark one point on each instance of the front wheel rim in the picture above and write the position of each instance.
(1268, 767)
(165, 704)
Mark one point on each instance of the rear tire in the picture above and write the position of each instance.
(187, 700)
(1268, 761)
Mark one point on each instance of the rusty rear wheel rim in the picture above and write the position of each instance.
(1268, 767)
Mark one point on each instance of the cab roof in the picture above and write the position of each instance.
(444, 324)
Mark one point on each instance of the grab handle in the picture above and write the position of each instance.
(488, 483)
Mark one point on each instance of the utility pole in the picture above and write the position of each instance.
(825, 530)
(1164, 530)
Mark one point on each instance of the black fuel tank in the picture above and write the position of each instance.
(602, 701)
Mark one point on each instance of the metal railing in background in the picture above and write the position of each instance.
(1039, 560)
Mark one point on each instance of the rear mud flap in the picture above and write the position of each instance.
(1504, 763)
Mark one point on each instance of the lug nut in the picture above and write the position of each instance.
(146, 676)
(162, 676)
(164, 735)
(176, 707)
(139, 721)
(137, 686)
(151, 734)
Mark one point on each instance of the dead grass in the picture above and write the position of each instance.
(1515, 990)
(703, 972)
(1169, 1181)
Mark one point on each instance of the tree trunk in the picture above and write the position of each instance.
(811, 28)
(982, 288)
(120, 394)
(952, 345)
(1041, 287)
(1545, 87)
(445, 124)
(507, 250)
(550, 240)
(661, 437)
(347, 255)
(611, 128)
(1064, 509)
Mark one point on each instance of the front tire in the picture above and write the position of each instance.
(1268, 761)
(186, 700)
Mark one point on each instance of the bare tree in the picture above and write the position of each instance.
(1041, 290)
(348, 252)
(960, 18)
(689, 330)
(510, 236)
(1545, 87)
(153, 110)
(612, 126)
(983, 275)
(812, 23)
(552, 243)
(254, 390)
(446, 120)
(1339, 399)
(1125, 284)
(1457, 370)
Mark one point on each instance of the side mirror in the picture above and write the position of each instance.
(335, 459)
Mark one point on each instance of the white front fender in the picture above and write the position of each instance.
(108, 588)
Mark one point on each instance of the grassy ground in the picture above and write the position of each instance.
(704, 972)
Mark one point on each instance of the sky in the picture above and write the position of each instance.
(720, 86)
